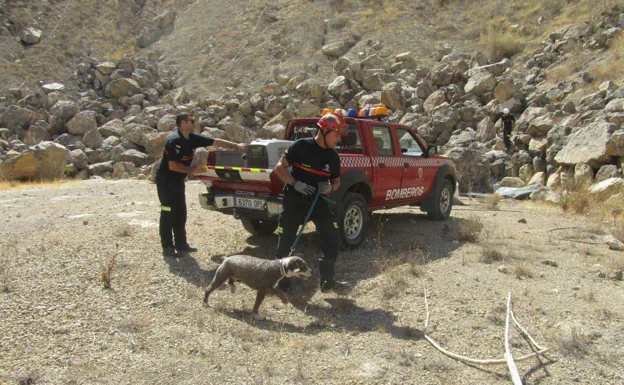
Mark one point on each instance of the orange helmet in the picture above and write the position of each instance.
(332, 121)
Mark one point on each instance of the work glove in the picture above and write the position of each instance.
(303, 188)
(325, 187)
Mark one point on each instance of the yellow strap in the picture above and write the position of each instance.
(335, 225)
(165, 208)
(279, 229)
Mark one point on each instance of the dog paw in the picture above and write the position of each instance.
(257, 317)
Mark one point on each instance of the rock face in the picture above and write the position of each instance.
(473, 170)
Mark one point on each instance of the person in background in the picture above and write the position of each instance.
(507, 125)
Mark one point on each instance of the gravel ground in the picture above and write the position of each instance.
(59, 325)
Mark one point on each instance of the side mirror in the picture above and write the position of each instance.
(432, 149)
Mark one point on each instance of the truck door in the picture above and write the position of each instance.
(388, 170)
(418, 171)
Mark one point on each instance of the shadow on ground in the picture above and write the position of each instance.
(391, 235)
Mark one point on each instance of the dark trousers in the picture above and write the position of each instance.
(296, 208)
(507, 138)
(172, 213)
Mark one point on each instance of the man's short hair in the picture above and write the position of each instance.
(180, 118)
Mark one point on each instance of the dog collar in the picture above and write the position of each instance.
(282, 267)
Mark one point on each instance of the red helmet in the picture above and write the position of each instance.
(332, 121)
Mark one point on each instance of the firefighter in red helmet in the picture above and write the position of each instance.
(315, 165)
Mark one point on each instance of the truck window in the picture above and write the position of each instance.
(383, 141)
(350, 143)
(304, 130)
(409, 145)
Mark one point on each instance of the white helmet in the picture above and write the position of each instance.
(506, 111)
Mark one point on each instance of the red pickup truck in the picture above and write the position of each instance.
(382, 164)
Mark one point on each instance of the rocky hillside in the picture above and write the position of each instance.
(109, 116)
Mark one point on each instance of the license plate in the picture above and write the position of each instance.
(249, 203)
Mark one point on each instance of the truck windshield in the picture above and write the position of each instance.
(349, 143)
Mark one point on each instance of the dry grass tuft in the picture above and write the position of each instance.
(28, 379)
(574, 345)
(492, 201)
(490, 254)
(13, 185)
(611, 67)
(523, 272)
(6, 258)
(501, 45)
(108, 268)
(124, 230)
(468, 230)
(393, 282)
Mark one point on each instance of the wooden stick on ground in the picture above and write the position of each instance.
(485, 362)
(515, 377)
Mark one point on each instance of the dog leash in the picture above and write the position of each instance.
(307, 218)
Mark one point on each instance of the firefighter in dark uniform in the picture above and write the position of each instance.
(172, 170)
(315, 165)
(507, 122)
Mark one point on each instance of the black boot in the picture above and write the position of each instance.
(327, 268)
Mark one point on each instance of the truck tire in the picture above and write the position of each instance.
(353, 220)
(259, 227)
(442, 202)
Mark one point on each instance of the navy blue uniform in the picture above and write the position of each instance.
(170, 185)
(311, 164)
(508, 121)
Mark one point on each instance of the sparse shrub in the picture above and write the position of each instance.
(492, 201)
(5, 263)
(392, 283)
(108, 268)
(501, 44)
(491, 254)
(123, 230)
(468, 230)
(522, 272)
(575, 345)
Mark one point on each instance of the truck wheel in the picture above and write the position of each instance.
(353, 221)
(259, 227)
(442, 202)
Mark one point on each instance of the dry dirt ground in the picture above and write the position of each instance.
(59, 325)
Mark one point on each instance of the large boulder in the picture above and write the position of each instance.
(122, 87)
(616, 144)
(392, 97)
(31, 35)
(18, 166)
(540, 126)
(235, 131)
(154, 143)
(608, 171)
(588, 145)
(338, 86)
(604, 190)
(506, 90)
(528, 116)
(434, 100)
(61, 113)
(82, 123)
(167, 123)
(480, 83)
(92, 138)
(113, 128)
(136, 157)
(307, 108)
(45, 161)
(486, 130)
(473, 169)
(615, 105)
(338, 49)
(15, 116)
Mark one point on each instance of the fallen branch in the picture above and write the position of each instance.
(513, 370)
(468, 360)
